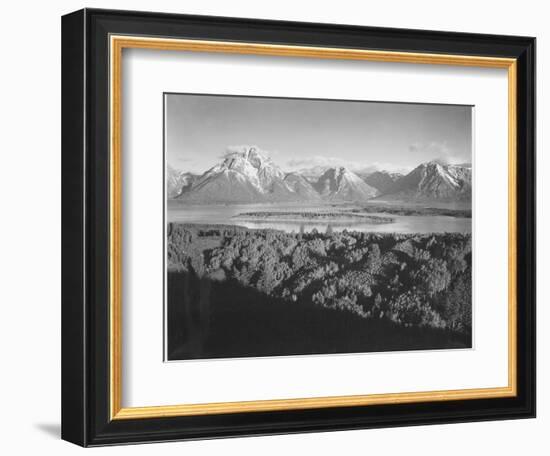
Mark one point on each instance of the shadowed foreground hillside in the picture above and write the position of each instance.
(235, 292)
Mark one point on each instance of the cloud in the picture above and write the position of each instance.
(439, 152)
(328, 162)
(185, 164)
(318, 160)
(241, 148)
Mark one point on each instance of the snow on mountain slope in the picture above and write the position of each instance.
(380, 180)
(340, 184)
(433, 181)
(312, 174)
(247, 175)
(177, 182)
(301, 186)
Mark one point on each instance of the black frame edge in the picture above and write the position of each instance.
(73, 323)
(526, 221)
(319, 26)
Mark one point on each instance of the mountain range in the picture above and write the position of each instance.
(248, 175)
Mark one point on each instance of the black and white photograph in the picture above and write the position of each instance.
(310, 226)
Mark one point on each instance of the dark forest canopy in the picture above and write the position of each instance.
(412, 280)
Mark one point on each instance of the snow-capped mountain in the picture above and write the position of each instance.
(178, 182)
(312, 174)
(433, 181)
(380, 180)
(247, 175)
(340, 184)
(301, 186)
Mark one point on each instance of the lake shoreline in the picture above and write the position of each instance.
(338, 217)
(356, 217)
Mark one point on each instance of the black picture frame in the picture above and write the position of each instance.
(85, 228)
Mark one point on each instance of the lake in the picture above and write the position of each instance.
(225, 214)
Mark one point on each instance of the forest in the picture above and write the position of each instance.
(238, 292)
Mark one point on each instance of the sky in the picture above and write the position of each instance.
(302, 133)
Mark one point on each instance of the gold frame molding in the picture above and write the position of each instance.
(116, 46)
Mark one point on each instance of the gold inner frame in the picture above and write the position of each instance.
(117, 44)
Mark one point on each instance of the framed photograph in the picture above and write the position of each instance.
(278, 227)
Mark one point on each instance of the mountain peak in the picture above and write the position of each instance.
(342, 171)
(247, 175)
(433, 180)
(253, 155)
(341, 184)
(336, 172)
(442, 164)
(429, 164)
